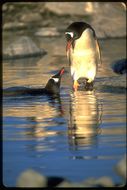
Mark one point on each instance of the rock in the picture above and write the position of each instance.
(30, 178)
(23, 47)
(121, 168)
(31, 17)
(4, 7)
(119, 66)
(104, 181)
(47, 31)
(100, 182)
(67, 8)
(14, 25)
(109, 20)
(89, 182)
(65, 184)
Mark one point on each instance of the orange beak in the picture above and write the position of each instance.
(62, 71)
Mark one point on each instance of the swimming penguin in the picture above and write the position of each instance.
(83, 53)
(52, 87)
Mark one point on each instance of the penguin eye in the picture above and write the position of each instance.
(69, 35)
(56, 80)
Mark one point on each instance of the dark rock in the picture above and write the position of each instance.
(119, 66)
(23, 47)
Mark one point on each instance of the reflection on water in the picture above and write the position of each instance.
(38, 115)
(85, 118)
(80, 131)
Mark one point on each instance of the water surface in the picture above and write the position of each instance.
(76, 136)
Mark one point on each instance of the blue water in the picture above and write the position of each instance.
(76, 136)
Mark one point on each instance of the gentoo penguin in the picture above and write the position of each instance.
(83, 52)
(52, 87)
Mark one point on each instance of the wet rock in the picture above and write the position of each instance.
(31, 17)
(23, 47)
(47, 31)
(121, 168)
(30, 178)
(67, 8)
(119, 66)
(14, 25)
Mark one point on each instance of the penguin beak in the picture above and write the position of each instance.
(69, 37)
(69, 44)
(61, 72)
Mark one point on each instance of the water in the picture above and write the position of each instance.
(76, 136)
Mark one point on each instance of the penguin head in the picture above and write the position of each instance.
(74, 32)
(53, 84)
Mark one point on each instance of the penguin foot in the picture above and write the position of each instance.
(75, 85)
(84, 84)
(89, 86)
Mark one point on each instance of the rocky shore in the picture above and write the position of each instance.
(107, 18)
(31, 178)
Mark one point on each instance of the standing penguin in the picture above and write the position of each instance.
(83, 52)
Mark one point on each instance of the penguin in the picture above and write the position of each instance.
(52, 87)
(83, 53)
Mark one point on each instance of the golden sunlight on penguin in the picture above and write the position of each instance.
(83, 53)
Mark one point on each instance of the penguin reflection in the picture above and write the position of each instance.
(84, 119)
